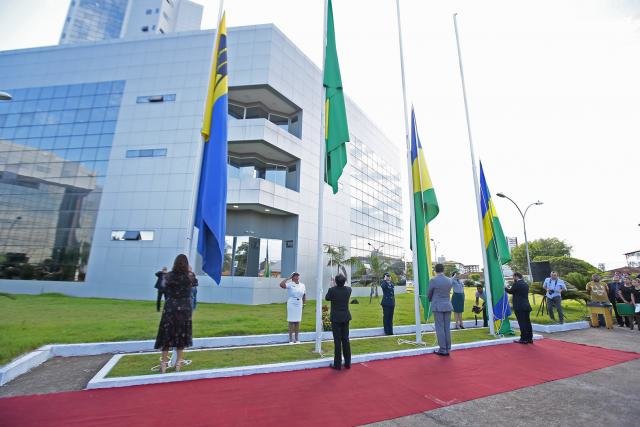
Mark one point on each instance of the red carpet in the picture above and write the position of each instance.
(367, 393)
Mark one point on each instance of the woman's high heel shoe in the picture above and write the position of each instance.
(163, 367)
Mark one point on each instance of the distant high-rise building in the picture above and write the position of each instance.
(95, 20)
(512, 242)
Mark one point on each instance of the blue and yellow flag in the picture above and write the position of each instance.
(425, 205)
(497, 255)
(212, 191)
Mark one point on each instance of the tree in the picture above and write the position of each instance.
(337, 256)
(449, 269)
(475, 277)
(551, 247)
(377, 267)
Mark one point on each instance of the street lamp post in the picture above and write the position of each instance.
(435, 250)
(524, 225)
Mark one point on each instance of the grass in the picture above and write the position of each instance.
(141, 364)
(30, 321)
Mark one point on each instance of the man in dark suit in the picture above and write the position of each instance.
(440, 297)
(340, 317)
(160, 286)
(388, 304)
(522, 308)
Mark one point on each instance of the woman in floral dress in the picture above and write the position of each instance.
(175, 324)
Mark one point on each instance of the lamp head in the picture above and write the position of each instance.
(4, 96)
(500, 195)
(539, 203)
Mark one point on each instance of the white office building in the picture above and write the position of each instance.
(96, 20)
(98, 154)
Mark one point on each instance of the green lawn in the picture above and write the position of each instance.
(141, 364)
(30, 321)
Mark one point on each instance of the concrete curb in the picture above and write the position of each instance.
(99, 380)
(24, 364)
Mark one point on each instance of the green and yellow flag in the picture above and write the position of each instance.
(425, 205)
(336, 131)
(497, 255)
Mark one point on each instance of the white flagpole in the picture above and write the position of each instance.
(416, 276)
(487, 283)
(188, 246)
(321, 173)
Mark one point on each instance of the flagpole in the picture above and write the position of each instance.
(321, 173)
(416, 275)
(487, 283)
(188, 247)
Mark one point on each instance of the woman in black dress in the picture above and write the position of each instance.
(175, 324)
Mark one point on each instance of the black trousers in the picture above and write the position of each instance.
(341, 343)
(524, 322)
(387, 318)
(615, 310)
(160, 294)
(485, 316)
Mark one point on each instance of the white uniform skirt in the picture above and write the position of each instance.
(294, 309)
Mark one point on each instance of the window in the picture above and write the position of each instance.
(249, 256)
(290, 124)
(171, 97)
(236, 111)
(256, 113)
(148, 11)
(166, 16)
(132, 235)
(147, 152)
(145, 28)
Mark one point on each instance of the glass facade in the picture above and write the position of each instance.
(376, 206)
(94, 20)
(55, 143)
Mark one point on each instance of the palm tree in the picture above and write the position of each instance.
(338, 257)
(377, 267)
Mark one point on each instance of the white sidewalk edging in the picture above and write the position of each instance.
(556, 327)
(99, 380)
(24, 364)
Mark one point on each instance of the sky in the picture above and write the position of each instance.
(553, 92)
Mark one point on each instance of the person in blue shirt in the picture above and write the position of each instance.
(554, 287)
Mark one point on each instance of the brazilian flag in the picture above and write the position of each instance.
(425, 205)
(497, 255)
(335, 114)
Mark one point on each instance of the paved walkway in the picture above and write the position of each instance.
(605, 397)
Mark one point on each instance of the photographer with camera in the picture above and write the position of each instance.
(477, 309)
(554, 287)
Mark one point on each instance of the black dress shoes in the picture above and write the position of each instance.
(439, 353)
(337, 368)
(521, 342)
(347, 366)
